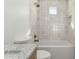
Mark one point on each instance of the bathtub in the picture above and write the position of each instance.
(59, 49)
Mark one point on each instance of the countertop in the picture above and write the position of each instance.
(26, 51)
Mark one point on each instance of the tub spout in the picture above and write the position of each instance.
(36, 40)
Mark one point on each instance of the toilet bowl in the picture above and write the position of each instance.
(42, 54)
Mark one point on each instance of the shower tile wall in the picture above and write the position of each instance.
(71, 33)
(52, 26)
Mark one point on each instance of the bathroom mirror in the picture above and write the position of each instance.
(52, 11)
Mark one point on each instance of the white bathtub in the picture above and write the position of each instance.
(59, 49)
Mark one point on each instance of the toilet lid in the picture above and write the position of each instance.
(41, 54)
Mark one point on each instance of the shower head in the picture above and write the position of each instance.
(37, 5)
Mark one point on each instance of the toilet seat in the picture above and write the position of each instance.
(42, 54)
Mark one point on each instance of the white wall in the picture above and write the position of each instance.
(16, 19)
(71, 12)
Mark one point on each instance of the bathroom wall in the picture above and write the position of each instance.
(45, 26)
(49, 26)
(71, 12)
(16, 20)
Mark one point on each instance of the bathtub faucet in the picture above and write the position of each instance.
(35, 38)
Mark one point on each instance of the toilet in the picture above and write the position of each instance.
(42, 54)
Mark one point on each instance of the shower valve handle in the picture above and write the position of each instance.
(36, 40)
